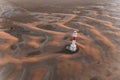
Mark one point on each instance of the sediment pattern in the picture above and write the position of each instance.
(35, 50)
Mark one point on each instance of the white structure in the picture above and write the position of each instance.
(73, 46)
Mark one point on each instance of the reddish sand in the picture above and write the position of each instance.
(35, 50)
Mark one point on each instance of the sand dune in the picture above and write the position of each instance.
(35, 50)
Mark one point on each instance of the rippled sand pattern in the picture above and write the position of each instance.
(35, 50)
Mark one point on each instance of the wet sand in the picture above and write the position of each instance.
(32, 47)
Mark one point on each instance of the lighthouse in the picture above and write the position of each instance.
(73, 46)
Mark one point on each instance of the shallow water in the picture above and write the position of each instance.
(33, 38)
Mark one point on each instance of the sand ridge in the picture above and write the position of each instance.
(34, 50)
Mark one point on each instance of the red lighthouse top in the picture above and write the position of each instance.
(74, 35)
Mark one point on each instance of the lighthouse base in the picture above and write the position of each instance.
(68, 48)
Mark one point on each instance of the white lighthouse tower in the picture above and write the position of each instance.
(73, 46)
